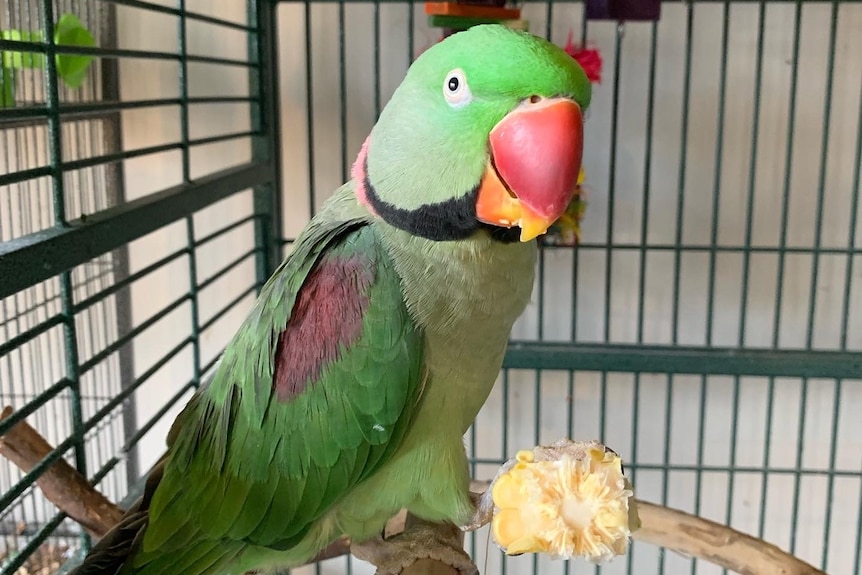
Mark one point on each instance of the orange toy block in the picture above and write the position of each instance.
(467, 11)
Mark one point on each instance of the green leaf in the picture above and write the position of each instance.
(69, 31)
(7, 87)
(71, 68)
(19, 60)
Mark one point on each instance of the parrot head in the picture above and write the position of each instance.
(485, 131)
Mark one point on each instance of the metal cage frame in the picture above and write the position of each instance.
(54, 252)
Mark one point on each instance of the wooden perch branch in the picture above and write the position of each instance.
(715, 543)
(61, 483)
(681, 532)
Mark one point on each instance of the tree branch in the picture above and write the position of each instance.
(61, 483)
(715, 543)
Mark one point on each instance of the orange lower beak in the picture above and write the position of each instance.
(533, 169)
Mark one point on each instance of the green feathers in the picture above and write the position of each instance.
(248, 466)
(374, 326)
(425, 148)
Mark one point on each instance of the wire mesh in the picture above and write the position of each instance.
(27, 206)
(110, 317)
(704, 328)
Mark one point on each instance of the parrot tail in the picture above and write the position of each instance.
(117, 553)
(110, 555)
(202, 557)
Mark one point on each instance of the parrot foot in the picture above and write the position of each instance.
(484, 506)
(484, 502)
(420, 541)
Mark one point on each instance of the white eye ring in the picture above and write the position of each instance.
(456, 90)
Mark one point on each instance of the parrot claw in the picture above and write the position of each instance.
(484, 502)
(484, 506)
(420, 541)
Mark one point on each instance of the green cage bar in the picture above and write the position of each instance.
(706, 327)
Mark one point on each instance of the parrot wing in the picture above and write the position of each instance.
(312, 395)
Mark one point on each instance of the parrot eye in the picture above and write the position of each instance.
(455, 89)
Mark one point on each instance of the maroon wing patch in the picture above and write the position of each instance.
(327, 315)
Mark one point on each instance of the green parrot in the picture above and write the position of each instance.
(345, 394)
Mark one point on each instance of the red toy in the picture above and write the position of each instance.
(589, 58)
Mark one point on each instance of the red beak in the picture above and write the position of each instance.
(536, 153)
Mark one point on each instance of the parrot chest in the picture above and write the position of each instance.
(466, 297)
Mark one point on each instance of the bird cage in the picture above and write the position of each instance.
(158, 159)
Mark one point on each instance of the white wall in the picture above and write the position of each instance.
(147, 79)
(751, 408)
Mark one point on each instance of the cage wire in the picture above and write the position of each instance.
(26, 207)
(707, 327)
